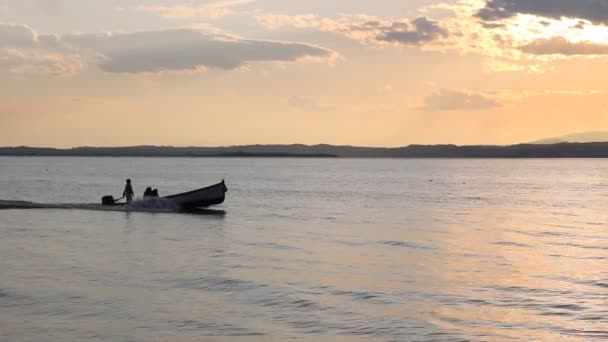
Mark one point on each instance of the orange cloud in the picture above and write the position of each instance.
(561, 46)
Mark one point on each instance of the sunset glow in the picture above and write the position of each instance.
(244, 72)
(528, 28)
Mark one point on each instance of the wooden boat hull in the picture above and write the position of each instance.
(100, 207)
(201, 198)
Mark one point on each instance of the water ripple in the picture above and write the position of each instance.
(403, 244)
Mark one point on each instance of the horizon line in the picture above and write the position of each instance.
(296, 144)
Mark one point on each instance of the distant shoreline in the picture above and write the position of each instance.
(227, 155)
(559, 150)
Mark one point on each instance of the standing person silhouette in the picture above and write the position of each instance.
(128, 193)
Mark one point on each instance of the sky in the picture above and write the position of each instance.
(347, 72)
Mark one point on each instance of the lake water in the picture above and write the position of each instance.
(310, 250)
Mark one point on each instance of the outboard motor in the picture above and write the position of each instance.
(108, 200)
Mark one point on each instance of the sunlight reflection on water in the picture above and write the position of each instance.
(370, 250)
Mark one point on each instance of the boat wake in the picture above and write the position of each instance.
(156, 205)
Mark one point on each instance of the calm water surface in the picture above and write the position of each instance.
(351, 250)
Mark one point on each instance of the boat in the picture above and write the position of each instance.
(201, 198)
(194, 202)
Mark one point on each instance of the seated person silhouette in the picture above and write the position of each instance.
(148, 192)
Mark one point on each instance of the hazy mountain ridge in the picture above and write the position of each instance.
(582, 137)
(560, 150)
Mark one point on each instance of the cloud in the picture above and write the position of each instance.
(450, 100)
(418, 31)
(18, 62)
(561, 46)
(366, 29)
(211, 10)
(593, 10)
(188, 49)
(518, 35)
(308, 104)
(23, 50)
(16, 36)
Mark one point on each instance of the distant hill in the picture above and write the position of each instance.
(584, 137)
(560, 150)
